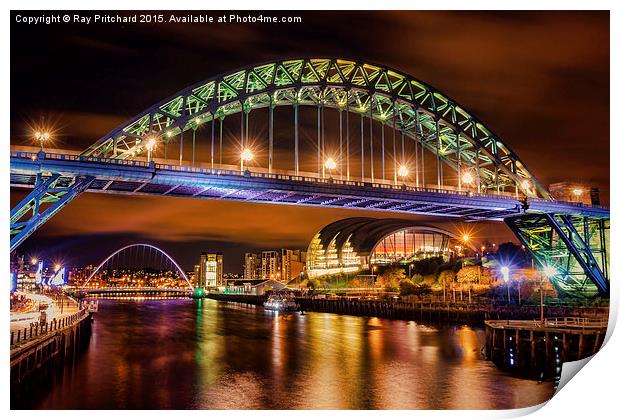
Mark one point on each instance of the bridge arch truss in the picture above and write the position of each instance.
(393, 99)
(143, 245)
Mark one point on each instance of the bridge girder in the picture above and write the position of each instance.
(573, 249)
(385, 95)
(49, 195)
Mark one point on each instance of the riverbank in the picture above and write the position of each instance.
(443, 311)
(40, 351)
(421, 311)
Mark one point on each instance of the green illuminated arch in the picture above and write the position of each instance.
(386, 95)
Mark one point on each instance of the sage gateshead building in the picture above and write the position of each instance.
(355, 244)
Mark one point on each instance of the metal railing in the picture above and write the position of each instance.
(565, 322)
(283, 177)
(262, 175)
(576, 322)
(37, 329)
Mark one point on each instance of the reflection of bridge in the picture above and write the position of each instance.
(412, 149)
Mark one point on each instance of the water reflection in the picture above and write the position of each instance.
(206, 354)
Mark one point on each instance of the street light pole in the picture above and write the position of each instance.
(443, 286)
(542, 306)
(506, 273)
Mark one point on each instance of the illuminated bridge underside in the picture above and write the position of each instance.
(137, 177)
(576, 247)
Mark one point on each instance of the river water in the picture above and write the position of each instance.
(188, 354)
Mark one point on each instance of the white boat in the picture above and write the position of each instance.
(280, 303)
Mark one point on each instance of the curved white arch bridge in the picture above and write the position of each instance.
(326, 132)
(139, 246)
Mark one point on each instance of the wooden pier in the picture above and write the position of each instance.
(458, 312)
(537, 349)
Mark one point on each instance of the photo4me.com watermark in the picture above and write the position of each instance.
(128, 18)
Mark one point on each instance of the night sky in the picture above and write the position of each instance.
(540, 80)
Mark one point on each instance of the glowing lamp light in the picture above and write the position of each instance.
(505, 273)
(330, 164)
(465, 238)
(34, 261)
(41, 136)
(247, 155)
(578, 192)
(550, 271)
(526, 185)
(467, 178)
(403, 171)
(57, 267)
(151, 143)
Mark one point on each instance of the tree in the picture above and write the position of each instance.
(407, 287)
(511, 254)
(474, 275)
(313, 284)
(427, 265)
(417, 278)
(423, 290)
(391, 278)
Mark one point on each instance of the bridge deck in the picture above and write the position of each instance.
(139, 177)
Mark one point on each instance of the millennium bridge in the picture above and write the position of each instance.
(340, 134)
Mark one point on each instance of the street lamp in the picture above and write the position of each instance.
(403, 171)
(467, 178)
(465, 237)
(41, 137)
(330, 164)
(506, 273)
(151, 144)
(549, 272)
(526, 185)
(246, 156)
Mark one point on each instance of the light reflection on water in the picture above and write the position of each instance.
(208, 354)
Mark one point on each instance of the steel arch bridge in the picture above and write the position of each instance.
(414, 150)
(383, 95)
(161, 252)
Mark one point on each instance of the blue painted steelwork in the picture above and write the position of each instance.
(572, 249)
(139, 177)
(53, 191)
